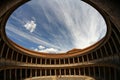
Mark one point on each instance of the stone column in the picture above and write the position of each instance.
(4, 74)
(21, 74)
(12, 54)
(2, 50)
(35, 72)
(10, 74)
(25, 73)
(7, 53)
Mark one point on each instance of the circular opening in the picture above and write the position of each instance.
(56, 26)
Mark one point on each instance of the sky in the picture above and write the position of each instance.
(55, 26)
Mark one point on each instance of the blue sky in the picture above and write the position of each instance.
(55, 26)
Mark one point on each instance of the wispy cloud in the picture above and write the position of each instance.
(61, 24)
(84, 23)
(29, 37)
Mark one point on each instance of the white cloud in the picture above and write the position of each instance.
(30, 25)
(41, 47)
(36, 49)
(49, 50)
(46, 50)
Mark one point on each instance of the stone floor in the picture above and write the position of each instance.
(61, 78)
